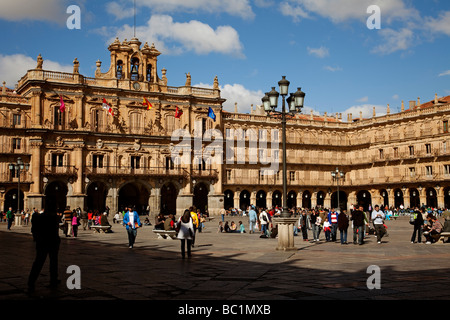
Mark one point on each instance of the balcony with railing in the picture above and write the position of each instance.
(68, 171)
(205, 173)
(137, 171)
(8, 178)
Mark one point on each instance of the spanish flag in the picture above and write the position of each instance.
(148, 104)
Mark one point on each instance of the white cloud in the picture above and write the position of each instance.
(343, 10)
(321, 52)
(445, 73)
(177, 37)
(363, 99)
(237, 93)
(332, 69)
(119, 10)
(395, 41)
(42, 10)
(367, 111)
(441, 24)
(239, 8)
(296, 12)
(243, 96)
(14, 67)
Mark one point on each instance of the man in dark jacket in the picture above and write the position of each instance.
(418, 225)
(45, 230)
(358, 225)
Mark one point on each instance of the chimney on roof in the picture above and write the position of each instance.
(403, 106)
(325, 117)
(412, 104)
(349, 117)
(418, 101)
(388, 111)
(312, 116)
(374, 112)
(235, 107)
(4, 88)
(251, 109)
(436, 101)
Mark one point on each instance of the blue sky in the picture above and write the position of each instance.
(322, 46)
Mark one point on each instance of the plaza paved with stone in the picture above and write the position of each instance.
(224, 267)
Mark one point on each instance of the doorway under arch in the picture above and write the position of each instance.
(169, 194)
(134, 194)
(200, 200)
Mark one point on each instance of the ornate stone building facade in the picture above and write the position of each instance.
(91, 157)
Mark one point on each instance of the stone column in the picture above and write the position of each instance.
(35, 196)
(314, 199)
(406, 199)
(440, 198)
(76, 199)
(285, 233)
(236, 199)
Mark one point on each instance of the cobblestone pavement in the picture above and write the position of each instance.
(224, 267)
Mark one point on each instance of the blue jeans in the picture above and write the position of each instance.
(334, 228)
(343, 236)
(358, 232)
(132, 233)
(263, 228)
(252, 225)
(316, 231)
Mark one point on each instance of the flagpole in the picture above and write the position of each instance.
(135, 18)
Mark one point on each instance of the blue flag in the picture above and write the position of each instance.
(211, 114)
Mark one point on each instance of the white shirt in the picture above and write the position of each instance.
(377, 217)
(131, 215)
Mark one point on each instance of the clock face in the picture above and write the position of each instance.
(136, 86)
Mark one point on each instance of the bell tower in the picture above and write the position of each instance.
(130, 62)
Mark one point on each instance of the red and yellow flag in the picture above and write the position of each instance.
(147, 104)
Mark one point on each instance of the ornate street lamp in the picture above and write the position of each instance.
(18, 168)
(295, 104)
(337, 175)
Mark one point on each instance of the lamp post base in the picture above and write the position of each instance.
(285, 233)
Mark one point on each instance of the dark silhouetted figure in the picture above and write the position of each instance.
(45, 230)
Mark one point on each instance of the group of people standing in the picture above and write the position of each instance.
(332, 222)
(428, 225)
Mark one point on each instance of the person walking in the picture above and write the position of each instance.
(9, 218)
(343, 224)
(185, 226)
(333, 219)
(132, 223)
(378, 222)
(357, 218)
(264, 221)
(418, 225)
(252, 217)
(304, 223)
(194, 217)
(84, 219)
(75, 224)
(67, 221)
(315, 224)
(45, 230)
